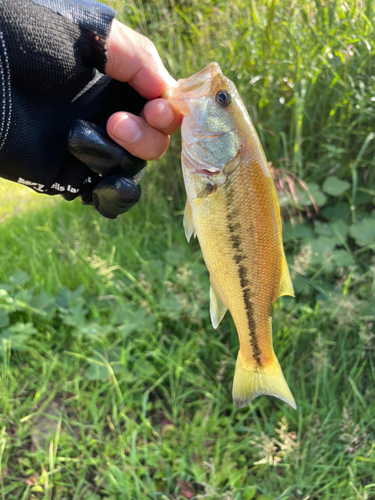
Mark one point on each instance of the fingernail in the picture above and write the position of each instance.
(165, 116)
(127, 130)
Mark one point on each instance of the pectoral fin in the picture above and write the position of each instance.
(217, 308)
(188, 221)
(286, 286)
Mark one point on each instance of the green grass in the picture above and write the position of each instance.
(113, 383)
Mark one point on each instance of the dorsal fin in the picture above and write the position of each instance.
(286, 286)
(217, 307)
(188, 221)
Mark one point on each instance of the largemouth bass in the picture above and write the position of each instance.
(233, 210)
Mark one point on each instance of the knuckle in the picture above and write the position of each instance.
(146, 44)
(150, 49)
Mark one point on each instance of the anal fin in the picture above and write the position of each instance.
(217, 308)
(188, 221)
(286, 286)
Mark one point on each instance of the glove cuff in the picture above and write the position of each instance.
(94, 20)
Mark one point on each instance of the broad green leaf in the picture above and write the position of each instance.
(320, 248)
(323, 244)
(19, 278)
(174, 257)
(67, 297)
(335, 186)
(333, 150)
(342, 258)
(94, 329)
(322, 228)
(314, 195)
(18, 342)
(249, 492)
(154, 270)
(137, 321)
(300, 284)
(288, 232)
(97, 369)
(143, 367)
(17, 335)
(363, 198)
(75, 315)
(364, 232)
(121, 314)
(4, 318)
(293, 232)
(171, 305)
(44, 303)
(339, 211)
(23, 328)
(340, 227)
(303, 231)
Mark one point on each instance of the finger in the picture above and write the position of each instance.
(161, 115)
(133, 58)
(92, 146)
(115, 195)
(135, 135)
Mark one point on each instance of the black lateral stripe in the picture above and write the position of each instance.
(234, 236)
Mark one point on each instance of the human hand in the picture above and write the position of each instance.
(133, 58)
(58, 103)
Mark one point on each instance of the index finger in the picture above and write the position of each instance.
(133, 58)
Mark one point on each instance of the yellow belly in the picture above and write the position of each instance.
(238, 231)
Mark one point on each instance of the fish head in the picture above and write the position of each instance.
(213, 126)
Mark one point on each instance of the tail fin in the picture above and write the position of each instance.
(251, 381)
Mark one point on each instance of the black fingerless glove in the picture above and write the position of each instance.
(55, 102)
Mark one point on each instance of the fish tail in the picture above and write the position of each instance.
(251, 381)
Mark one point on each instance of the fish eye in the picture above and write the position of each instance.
(223, 98)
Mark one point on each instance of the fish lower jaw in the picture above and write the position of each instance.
(208, 174)
(216, 178)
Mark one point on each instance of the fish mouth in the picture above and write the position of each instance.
(196, 86)
(204, 76)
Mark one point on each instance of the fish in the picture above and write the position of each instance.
(232, 208)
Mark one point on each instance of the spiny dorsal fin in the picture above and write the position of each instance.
(286, 286)
(217, 308)
(188, 221)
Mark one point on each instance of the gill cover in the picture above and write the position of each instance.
(211, 142)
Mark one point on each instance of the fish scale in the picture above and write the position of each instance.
(233, 210)
(239, 240)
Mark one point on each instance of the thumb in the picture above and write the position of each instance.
(133, 58)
